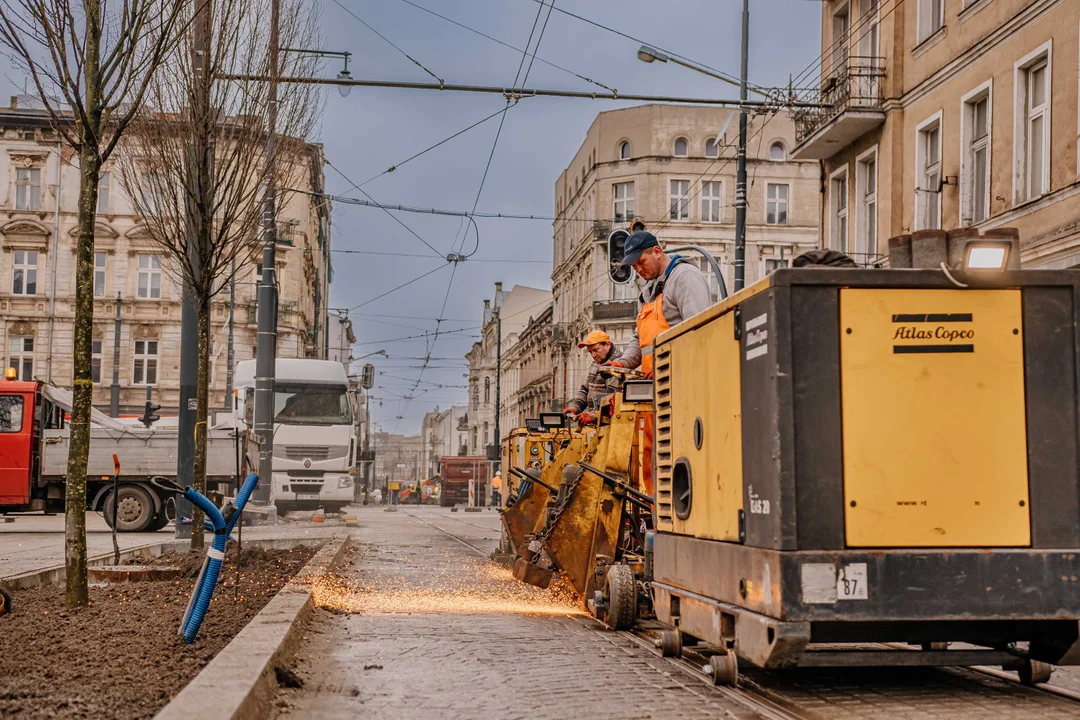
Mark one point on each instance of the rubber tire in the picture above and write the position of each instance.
(1033, 671)
(134, 494)
(160, 521)
(724, 669)
(5, 602)
(621, 597)
(671, 643)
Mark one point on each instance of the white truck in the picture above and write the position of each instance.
(314, 432)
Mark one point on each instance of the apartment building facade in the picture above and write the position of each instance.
(528, 373)
(674, 168)
(947, 114)
(444, 432)
(39, 186)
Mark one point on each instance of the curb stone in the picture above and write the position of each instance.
(240, 682)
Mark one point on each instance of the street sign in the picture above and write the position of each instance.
(394, 486)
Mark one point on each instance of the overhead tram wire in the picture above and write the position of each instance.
(480, 190)
(511, 47)
(399, 287)
(389, 42)
(510, 261)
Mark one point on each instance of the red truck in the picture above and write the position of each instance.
(34, 442)
(456, 473)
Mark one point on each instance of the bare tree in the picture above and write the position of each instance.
(195, 161)
(99, 60)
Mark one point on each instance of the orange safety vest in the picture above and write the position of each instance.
(650, 323)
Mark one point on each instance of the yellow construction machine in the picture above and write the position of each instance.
(591, 526)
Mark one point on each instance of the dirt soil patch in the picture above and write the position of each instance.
(122, 656)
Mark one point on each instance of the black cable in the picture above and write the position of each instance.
(389, 42)
(405, 284)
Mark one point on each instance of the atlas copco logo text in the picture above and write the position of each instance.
(934, 333)
(939, 333)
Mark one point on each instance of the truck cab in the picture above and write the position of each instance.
(314, 432)
(19, 432)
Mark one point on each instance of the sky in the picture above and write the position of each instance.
(373, 129)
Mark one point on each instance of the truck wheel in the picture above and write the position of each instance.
(160, 520)
(135, 509)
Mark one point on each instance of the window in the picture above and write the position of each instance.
(975, 159)
(21, 356)
(27, 188)
(24, 272)
(711, 148)
(487, 391)
(1033, 143)
(839, 201)
(95, 360)
(146, 356)
(680, 200)
(624, 202)
(103, 193)
(841, 28)
(474, 443)
(774, 264)
(777, 152)
(928, 175)
(712, 199)
(776, 203)
(100, 264)
(682, 148)
(11, 413)
(870, 39)
(931, 17)
(866, 210)
(149, 287)
(485, 434)
(625, 150)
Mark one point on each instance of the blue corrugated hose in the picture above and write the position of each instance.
(204, 586)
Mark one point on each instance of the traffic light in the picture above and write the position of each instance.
(150, 415)
(615, 249)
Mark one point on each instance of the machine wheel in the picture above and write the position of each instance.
(1033, 671)
(621, 597)
(723, 669)
(5, 602)
(670, 643)
(135, 509)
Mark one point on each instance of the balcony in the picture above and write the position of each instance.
(614, 310)
(852, 100)
(560, 334)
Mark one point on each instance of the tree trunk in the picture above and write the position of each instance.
(76, 592)
(83, 387)
(201, 415)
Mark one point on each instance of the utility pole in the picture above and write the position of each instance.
(189, 315)
(230, 358)
(114, 390)
(267, 297)
(498, 385)
(740, 177)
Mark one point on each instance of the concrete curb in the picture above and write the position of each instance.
(55, 575)
(240, 682)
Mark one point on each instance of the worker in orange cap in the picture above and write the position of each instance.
(585, 402)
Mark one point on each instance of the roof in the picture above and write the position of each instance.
(294, 370)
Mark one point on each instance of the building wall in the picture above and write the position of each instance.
(982, 47)
(47, 316)
(585, 209)
(444, 432)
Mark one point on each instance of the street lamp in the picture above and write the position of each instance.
(648, 54)
(377, 352)
(343, 75)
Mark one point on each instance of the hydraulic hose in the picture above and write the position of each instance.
(215, 555)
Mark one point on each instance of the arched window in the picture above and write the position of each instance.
(711, 148)
(777, 152)
(487, 389)
(624, 150)
(681, 147)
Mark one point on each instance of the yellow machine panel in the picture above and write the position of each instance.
(707, 402)
(934, 427)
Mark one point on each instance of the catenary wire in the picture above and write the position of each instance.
(389, 42)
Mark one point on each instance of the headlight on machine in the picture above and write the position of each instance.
(344, 481)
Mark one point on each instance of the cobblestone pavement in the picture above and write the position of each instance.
(424, 628)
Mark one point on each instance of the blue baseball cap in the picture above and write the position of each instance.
(636, 244)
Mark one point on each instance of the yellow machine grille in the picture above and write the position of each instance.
(663, 461)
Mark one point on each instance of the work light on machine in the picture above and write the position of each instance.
(11, 374)
(552, 421)
(534, 425)
(636, 391)
(986, 256)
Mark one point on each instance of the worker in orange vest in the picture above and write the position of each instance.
(496, 489)
(676, 289)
